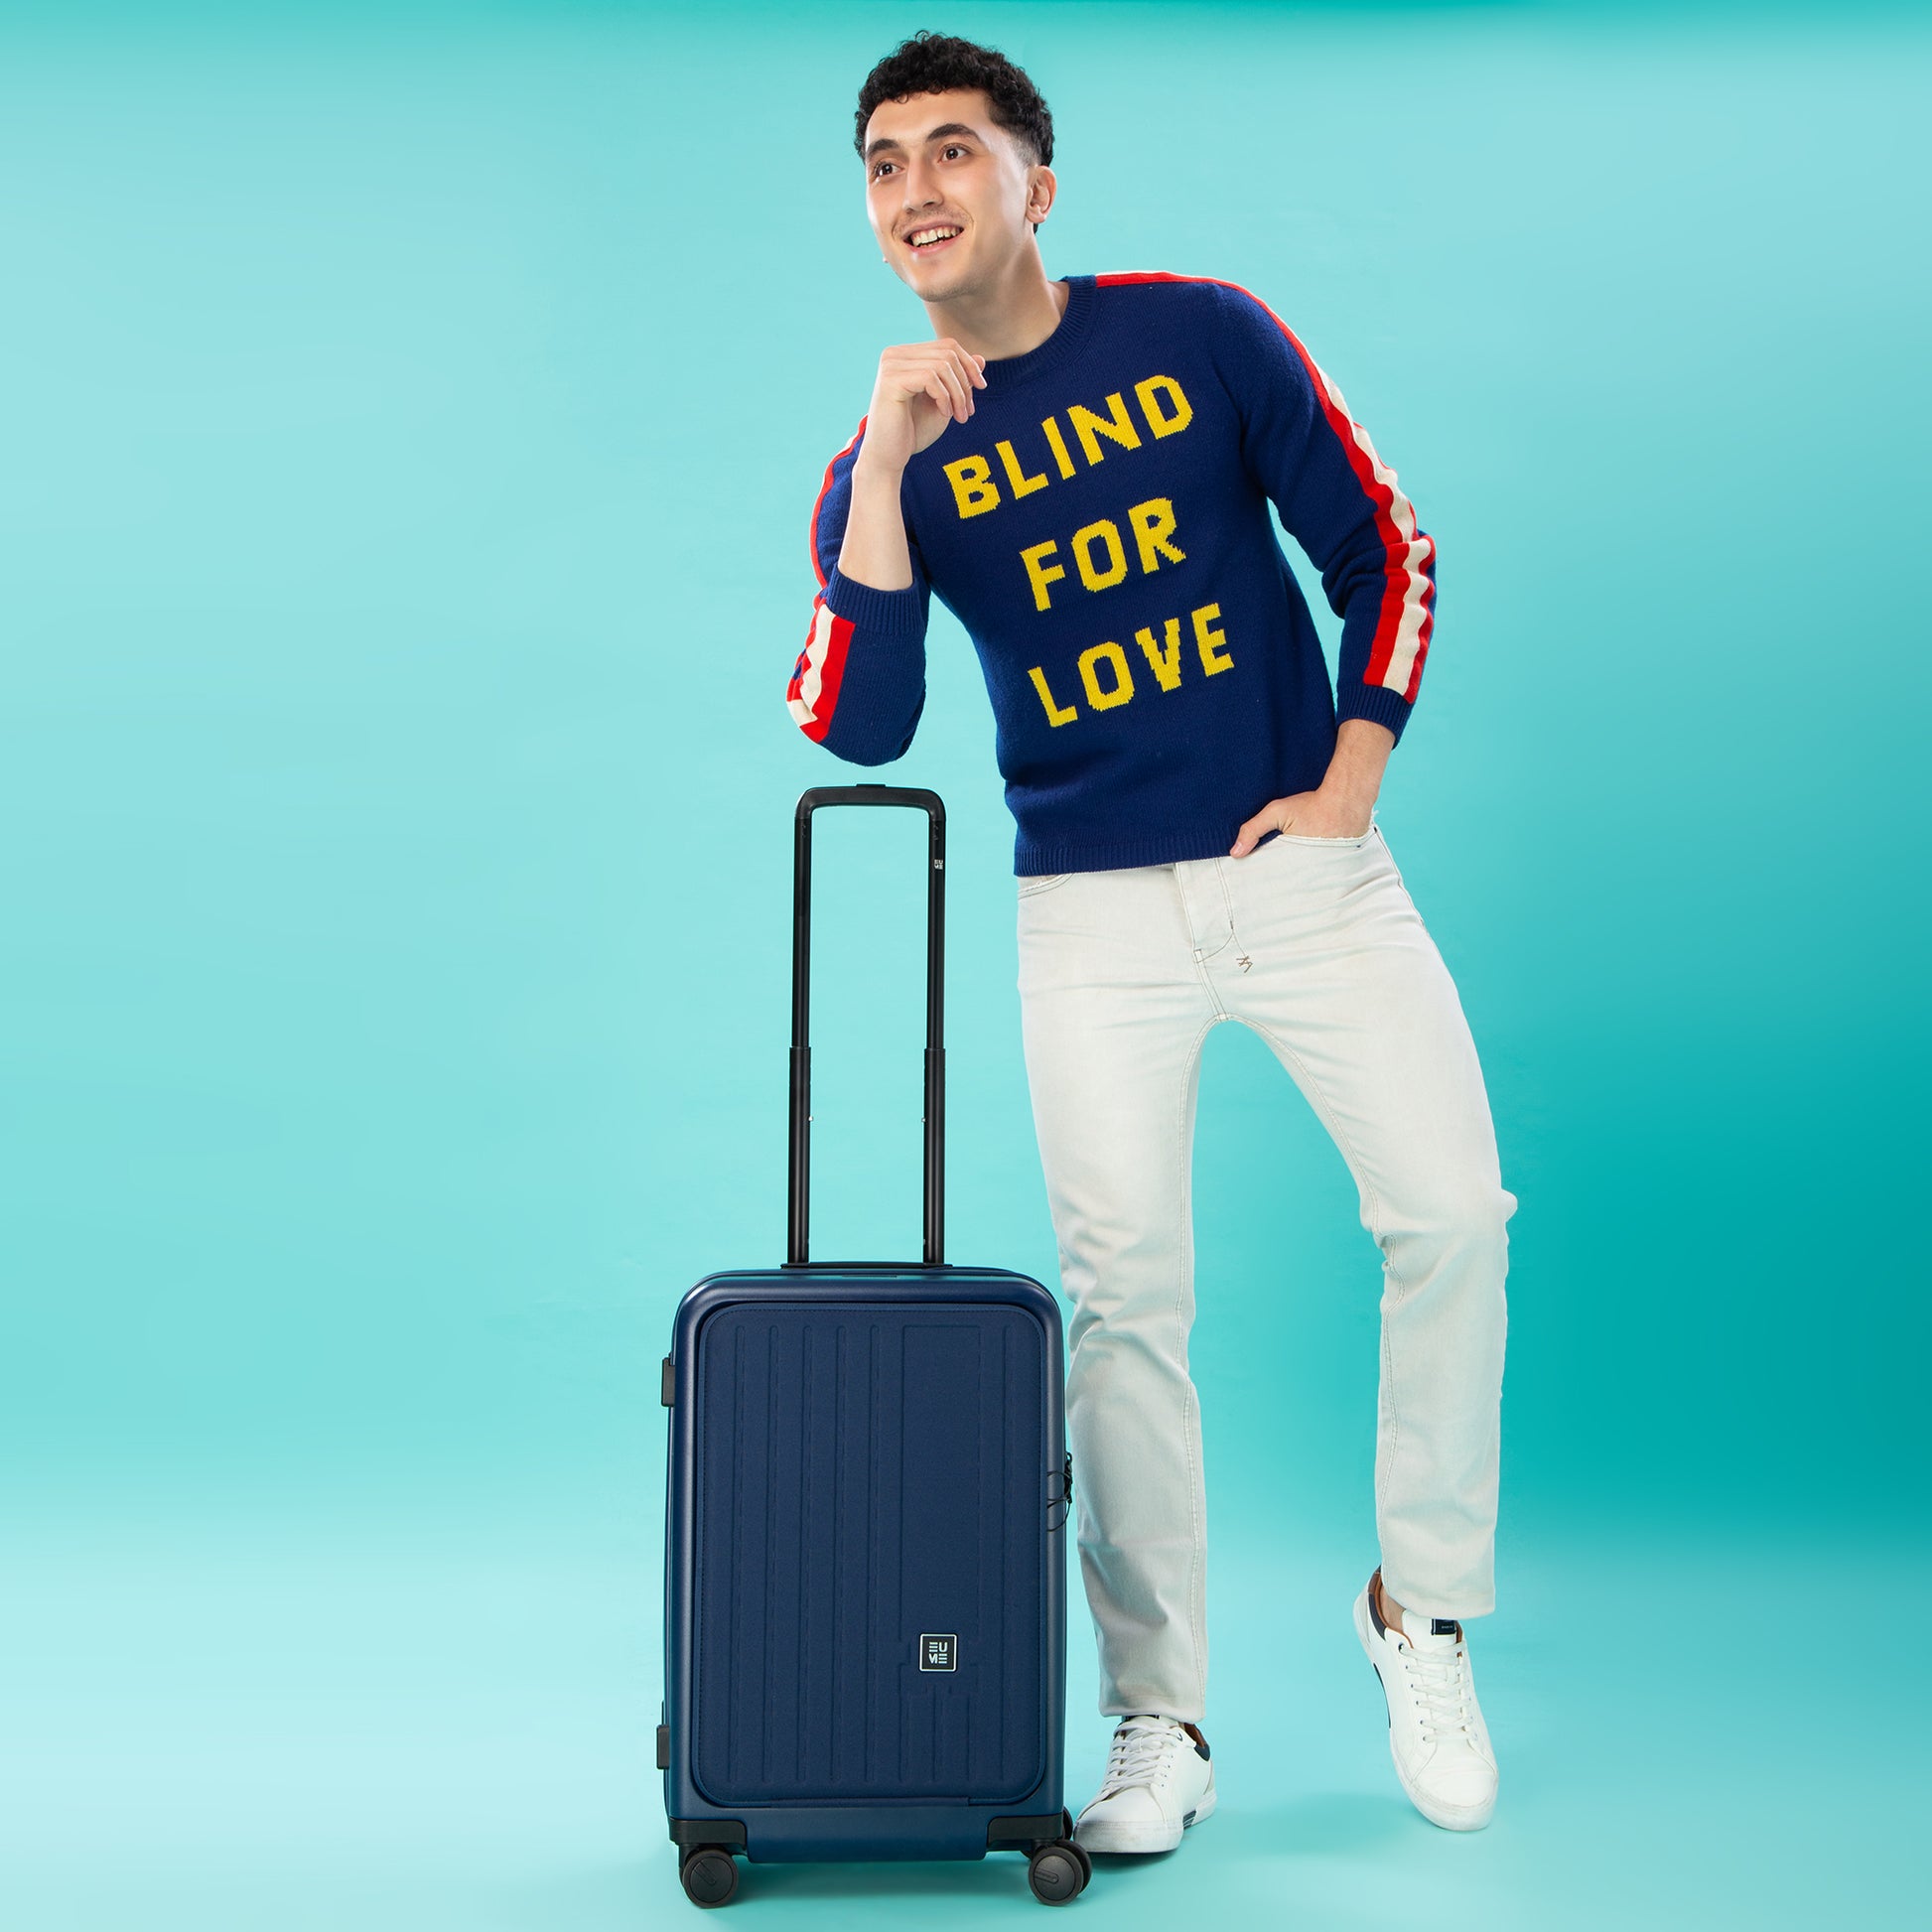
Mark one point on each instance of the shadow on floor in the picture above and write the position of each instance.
(1331, 1825)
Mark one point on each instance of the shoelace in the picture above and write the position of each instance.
(1439, 1679)
(1137, 1753)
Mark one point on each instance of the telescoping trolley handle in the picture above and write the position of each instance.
(799, 1184)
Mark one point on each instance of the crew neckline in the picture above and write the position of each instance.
(1008, 372)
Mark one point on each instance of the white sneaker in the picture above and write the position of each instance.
(1158, 1782)
(1437, 1735)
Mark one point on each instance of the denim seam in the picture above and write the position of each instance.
(1227, 898)
(1190, 1416)
(1319, 1100)
(1202, 955)
(1397, 870)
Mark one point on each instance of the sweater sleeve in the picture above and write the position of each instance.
(1341, 502)
(859, 685)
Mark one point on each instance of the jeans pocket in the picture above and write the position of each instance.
(1297, 837)
(1032, 884)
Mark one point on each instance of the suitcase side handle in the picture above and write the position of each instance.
(799, 1176)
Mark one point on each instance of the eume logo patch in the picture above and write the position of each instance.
(938, 1653)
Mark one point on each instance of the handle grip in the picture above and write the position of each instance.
(799, 1175)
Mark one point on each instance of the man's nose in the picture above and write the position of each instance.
(921, 185)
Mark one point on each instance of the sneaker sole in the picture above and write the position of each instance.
(1142, 1838)
(1451, 1818)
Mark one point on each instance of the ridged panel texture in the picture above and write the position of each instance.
(868, 1476)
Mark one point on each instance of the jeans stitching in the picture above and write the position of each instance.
(1227, 898)
(1197, 1536)
(1397, 870)
(1200, 957)
(1320, 1102)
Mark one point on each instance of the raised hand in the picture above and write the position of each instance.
(921, 387)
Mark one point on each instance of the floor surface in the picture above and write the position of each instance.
(443, 1727)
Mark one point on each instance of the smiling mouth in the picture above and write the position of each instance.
(932, 237)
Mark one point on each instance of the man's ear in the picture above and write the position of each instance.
(1040, 187)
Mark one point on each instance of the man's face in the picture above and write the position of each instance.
(950, 196)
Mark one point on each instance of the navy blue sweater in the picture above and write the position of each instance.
(1099, 524)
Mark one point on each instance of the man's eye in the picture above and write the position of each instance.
(952, 150)
(879, 168)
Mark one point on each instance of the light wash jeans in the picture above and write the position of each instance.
(1315, 944)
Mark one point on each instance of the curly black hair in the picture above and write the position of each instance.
(933, 64)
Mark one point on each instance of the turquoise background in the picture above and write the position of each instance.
(411, 417)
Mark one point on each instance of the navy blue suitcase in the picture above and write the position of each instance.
(864, 1617)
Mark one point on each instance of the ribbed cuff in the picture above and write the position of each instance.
(891, 614)
(1375, 702)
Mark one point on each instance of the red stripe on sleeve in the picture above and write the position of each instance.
(831, 675)
(1400, 579)
(1422, 652)
(1396, 587)
(824, 490)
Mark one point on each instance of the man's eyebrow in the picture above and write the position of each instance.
(886, 141)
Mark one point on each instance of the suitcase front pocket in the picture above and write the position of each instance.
(871, 1538)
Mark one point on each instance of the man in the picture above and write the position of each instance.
(1082, 468)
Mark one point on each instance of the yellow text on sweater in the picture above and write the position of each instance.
(1106, 672)
(1164, 409)
(1099, 551)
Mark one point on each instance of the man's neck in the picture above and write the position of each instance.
(1014, 314)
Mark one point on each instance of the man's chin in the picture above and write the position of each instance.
(947, 285)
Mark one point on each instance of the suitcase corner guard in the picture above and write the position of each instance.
(686, 1832)
(1024, 1833)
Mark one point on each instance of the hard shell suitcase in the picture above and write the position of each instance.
(865, 1620)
